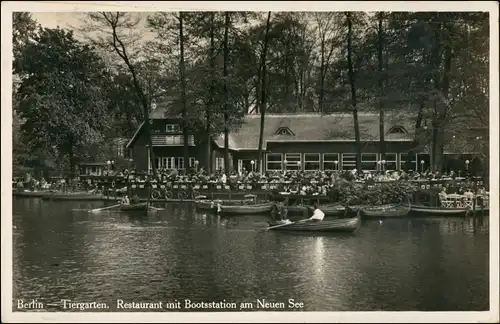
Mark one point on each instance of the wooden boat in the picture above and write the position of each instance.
(386, 211)
(74, 196)
(338, 210)
(202, 203)
(136, 207)
(439, 211)
(326, 225)
(261, 208)
(35, 194)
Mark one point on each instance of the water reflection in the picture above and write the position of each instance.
(177, 253)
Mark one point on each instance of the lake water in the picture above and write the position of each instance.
(433, 264)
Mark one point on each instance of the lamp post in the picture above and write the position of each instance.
(196, 162)
(284, 166)
(422, 166)
(298, 165)
(467, 165)
(383, 165)
(336, 165)
(108, 162)
(379, 163)
(253, 165)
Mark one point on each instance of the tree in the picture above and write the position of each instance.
(227, 25)
(61, 97)
(24, 29)
(114, 27)
(263, 95)
(353, 90)
(327, 26)
(182, 72)
(381, 94)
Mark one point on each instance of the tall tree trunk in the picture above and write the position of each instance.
(120, 49)
(353, 92)
(443, 106)
(435, 64)
(381, 86)
(210, 98)
(182, 67)
(263, 94)
(226, 94)
(322, 76)
(258, 87)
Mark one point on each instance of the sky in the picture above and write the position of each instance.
(61, 19)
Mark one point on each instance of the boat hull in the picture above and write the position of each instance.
(386, 211)
(262, 208)
(135, 207)
(211, 206)
(438, 211)
(87, 197)
(346, 225)
(34, 194)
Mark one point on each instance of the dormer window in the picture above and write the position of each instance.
(284, 131)
(172, 128)
(397, 130)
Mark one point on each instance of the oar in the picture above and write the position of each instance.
(104, 208)
(280, 225)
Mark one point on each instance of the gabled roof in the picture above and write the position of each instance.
(317, 127)
(285, 130)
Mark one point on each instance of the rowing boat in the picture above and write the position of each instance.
(439, 211)
(326, 225)
(338, 210)
(261, 208)
(386, 211)
(74, 196)
(135, 207)
(35, 194)
(211, 205)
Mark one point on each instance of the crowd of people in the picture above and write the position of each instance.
(297, 182)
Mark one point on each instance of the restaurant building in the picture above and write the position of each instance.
(305, 142)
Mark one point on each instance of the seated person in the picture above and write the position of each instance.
(125, 200)
(318, 215)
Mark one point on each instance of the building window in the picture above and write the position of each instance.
(172, 162)
(369, 161)
(293, 161)
(391, 162)
(311, 161)
(348, 161)
(191, 162)
(179, 163)
(274, 161)
(172, 128)
(329, 161)
(219, 163)
(120, 150)
(397, 130)
(404, 164)
(284, 131)
(171, 140)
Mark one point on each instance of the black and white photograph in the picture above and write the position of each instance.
(250, 162)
